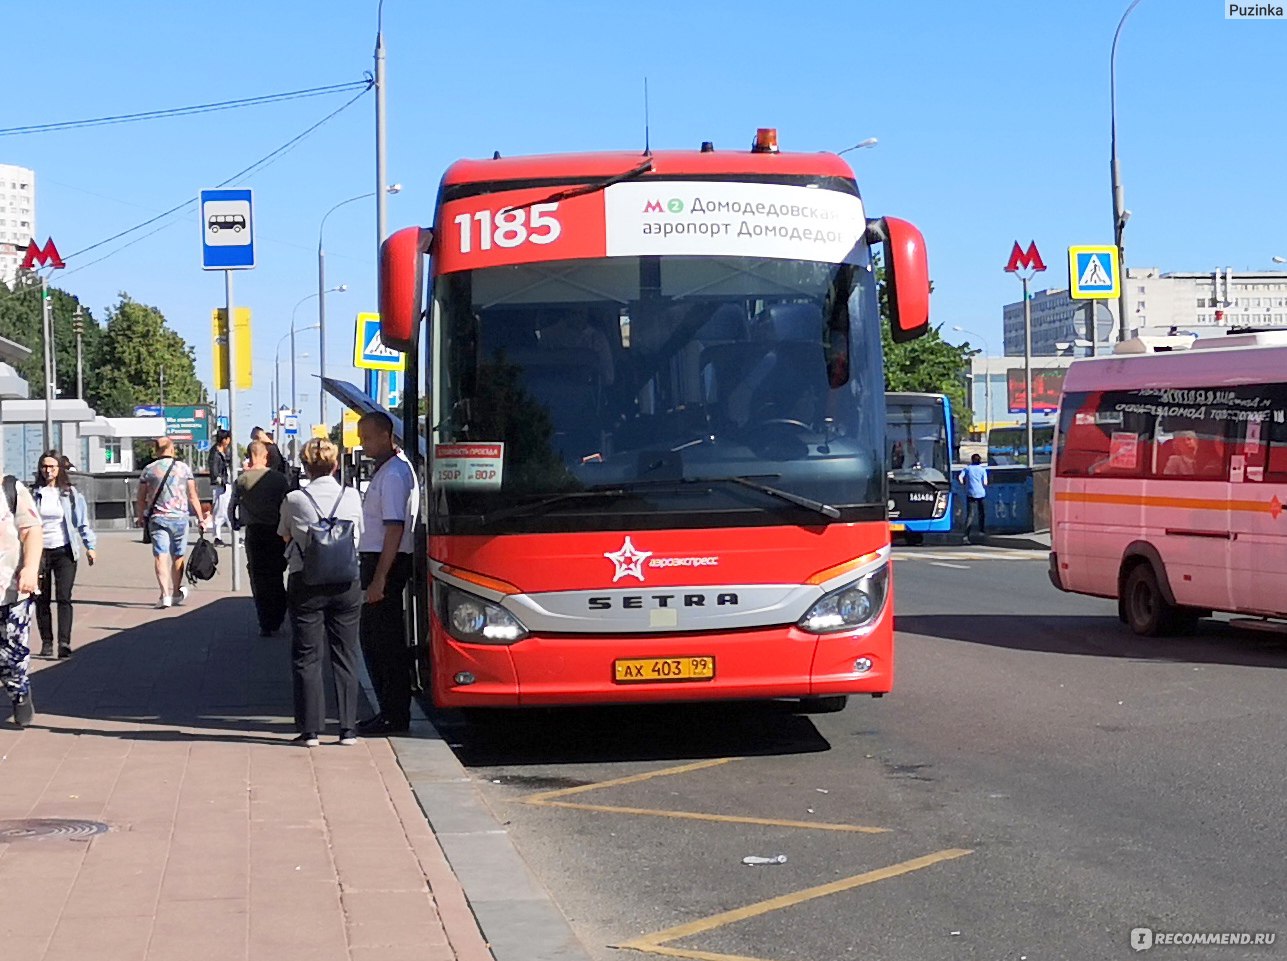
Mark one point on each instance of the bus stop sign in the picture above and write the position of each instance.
(227, 230)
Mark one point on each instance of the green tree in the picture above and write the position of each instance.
(928, 364)
(20, 321)
(135, 348)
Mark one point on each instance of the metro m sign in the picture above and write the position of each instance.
(1029, 259)
(48, 257)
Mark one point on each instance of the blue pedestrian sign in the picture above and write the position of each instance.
(369, 352)
(227, 230)
(1092, 272)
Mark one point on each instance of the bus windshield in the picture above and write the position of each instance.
(916, 439)
(1008, 446)
(628, 391)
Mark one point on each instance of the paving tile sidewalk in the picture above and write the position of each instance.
(225, 841)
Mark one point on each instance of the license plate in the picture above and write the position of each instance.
(898, 527)
(637, 670)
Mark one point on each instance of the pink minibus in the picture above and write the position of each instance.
(1170, 479)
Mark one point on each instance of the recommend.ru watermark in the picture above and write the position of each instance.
(1144, 938)
(1254, 11)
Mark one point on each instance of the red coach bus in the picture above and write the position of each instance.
(655, 435)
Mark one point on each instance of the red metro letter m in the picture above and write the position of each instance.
(1029, 259)
(46, 257)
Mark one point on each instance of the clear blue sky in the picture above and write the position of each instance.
(992, 119)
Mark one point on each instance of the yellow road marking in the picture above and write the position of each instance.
(631, 779)
(547, 799)
(698, 816)
(694, 955)
(651, 941)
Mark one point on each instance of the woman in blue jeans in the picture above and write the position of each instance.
(64, 520)
(167, 490)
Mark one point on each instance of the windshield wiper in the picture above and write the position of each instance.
(532, 507)
(584, 189)
(825, 509)
(743, 481)
(627, 488)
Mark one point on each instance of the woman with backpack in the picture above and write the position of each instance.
(321, 525)
(64, 521)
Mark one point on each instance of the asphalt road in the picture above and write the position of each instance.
(1045, 782)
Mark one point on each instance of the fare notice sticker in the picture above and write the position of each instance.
(475, 466)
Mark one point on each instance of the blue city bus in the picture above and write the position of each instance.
(920, 445)
(1008, 446)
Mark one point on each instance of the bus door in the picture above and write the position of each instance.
(1258, 475)
(1188, 510)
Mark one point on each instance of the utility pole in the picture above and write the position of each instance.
(1120, 213)
(381, 166)
(78, 327)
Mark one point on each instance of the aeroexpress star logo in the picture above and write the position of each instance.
(629, 561)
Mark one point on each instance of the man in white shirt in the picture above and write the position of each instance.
(384, 552)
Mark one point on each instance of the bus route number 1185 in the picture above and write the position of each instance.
(508, 228)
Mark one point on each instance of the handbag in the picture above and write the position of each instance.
(147, 518)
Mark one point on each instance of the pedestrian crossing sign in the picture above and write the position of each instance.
(1093, 273)
(369, 352)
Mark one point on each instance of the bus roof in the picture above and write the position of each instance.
(1212, 367)
(581, 167)
(913, 397)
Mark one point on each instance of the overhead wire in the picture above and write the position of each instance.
(255, 167)
(182, 111)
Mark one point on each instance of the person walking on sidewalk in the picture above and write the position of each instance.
(21, 539)
(322, 613)
(388, 528)
(256, 506)
(64, 520)
(220, 466)
(167, 490)
(975, 480)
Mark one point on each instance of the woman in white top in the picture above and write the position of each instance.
(64, 519)
(321, 614)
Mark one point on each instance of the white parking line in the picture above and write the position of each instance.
(979, 554)
(959, 567)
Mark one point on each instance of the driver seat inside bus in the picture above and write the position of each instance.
(779, 374)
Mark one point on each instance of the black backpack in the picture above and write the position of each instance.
(330, 556)
(203, 562)
(11, 493)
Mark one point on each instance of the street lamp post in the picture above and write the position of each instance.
(277, 368)
(321, 290)
(987, 372)
(1120, 213)
(303, 300)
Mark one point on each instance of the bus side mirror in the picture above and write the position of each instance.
(906, 276)
(402, 258)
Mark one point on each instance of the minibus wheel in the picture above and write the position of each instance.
(1146, 608)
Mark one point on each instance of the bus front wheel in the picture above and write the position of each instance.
(1145, 608)
(913, 538)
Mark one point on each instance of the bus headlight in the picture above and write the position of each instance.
(476, 621)
(940, 505)
(854, 605)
